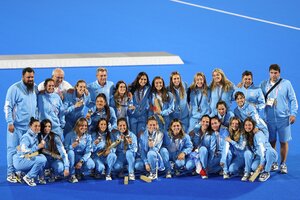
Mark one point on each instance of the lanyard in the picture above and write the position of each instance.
(199, 101)
(220, 92)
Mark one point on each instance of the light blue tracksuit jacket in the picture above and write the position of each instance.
(95, 88)
(20, 105)
(51, 107)
(73, 114)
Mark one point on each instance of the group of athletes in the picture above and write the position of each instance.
(109, 130)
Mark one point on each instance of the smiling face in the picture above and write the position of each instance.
(205, 123)
(102, 126)
(217, 77)
(122, 127)
(100, 103)
(47, 128)
(81, 88)
(122, 89)
(176, 128)
(215, 124)
(240, 100)
(83, 127)
(234, 125)
(248, 126)
(152, 125)
(36, 127)
(50, 87)
(143, 81)
(247, 80)
(158, 84)
(102, 77)
(199, 81)
(58, 77)
(176, 80)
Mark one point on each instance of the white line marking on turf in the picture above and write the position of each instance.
(237, 15)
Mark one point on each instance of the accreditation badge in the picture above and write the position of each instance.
(270, 102)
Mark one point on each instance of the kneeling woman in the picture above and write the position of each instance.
(152, 153)
(54, 150)
(126, 149)
(179, 145)
(233, 157)
(79, 148)
(27, 158)
(103, 150)
(260, 155)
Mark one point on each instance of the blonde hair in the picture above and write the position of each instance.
(181, 88)
(226, 84)
(235, 134)
(79, 123)
(204, 88)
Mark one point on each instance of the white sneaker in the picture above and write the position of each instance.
(73, 179)
(12, 178)
(108, 177)
(168, 175)
(245, 177)
(131, 177)
(264, 176)
(274, 166)
(283, 168)
(152, 176)
(225, 175)
(29, 181)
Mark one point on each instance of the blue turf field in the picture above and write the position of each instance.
(203, 38)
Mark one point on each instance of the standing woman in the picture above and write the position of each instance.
(162, 103)
(78, 144)
(179, 91)
(55, 149)
(122, 101)
(127, 148)
(179, 146)
(140, 89)
(103, 154)
(221, 89)
(199, 97)
(260, 154)
(233, 158)
(75, 102)
(51, 107)
(101, 110)
(22, 161)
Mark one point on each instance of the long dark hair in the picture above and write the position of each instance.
(32, 120)
(106, 107)
(124, 120)
(209, 130)
(164, 92)
(117, 97)
(135, 85)
(108, 137)
(51, 136)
